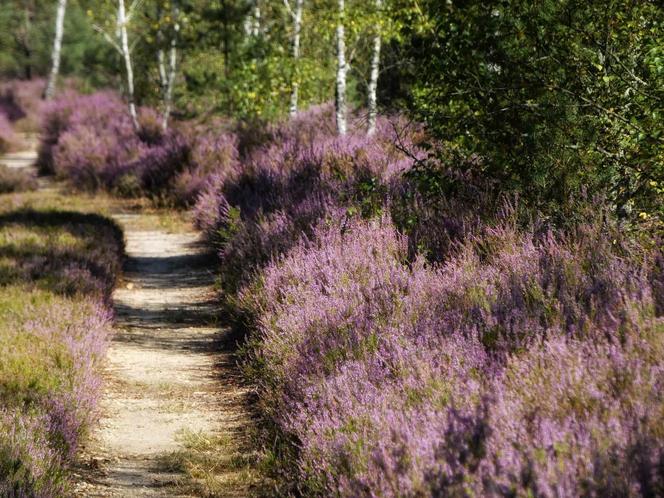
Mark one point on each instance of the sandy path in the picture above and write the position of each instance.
(24, 158)
(170, 366)
(167, 370)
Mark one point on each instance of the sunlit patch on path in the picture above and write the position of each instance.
(169, 373)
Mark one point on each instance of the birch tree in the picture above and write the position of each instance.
(296, 15)
(168, 79)
(161, 57)
(121, 43)
(372, 102)
(57, 50)
(252, 23)
(123, 19)
(342, 72)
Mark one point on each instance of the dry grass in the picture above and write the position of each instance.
(214, 466)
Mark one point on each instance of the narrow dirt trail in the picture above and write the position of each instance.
(170, 368)
(167, 373)
(22, 159)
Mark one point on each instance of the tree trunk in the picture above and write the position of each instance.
(172, 68)
(342, 69)
(372, 102)
(124, 45)
(161, 64)
(297, 28)
(161, 58)
(256, 19)
(57, 49)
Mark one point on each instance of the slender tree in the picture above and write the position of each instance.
(253, 21)
(57, 50)
(126, 54)
(172, 67)
(296, 14)
(342, 71)
(121, 43)
(161, 57)
(372, 102)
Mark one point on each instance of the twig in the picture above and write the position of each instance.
(107, 37)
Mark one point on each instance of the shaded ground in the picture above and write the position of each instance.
(170, 375)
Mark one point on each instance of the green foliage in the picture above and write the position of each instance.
(230, 70)
(26, 39)
(556, 99)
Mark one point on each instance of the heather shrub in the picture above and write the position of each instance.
(214, 156)
(400, 307)
(90, 141)
(51, 349)
(54, 122)
(21, 101)
(92, 135)
(285, 186)
(150, 129)
(574, 418)
(28, 465)
(9, 107)
(72, 142)
(66, 253)
(393, 376)
(153, 171)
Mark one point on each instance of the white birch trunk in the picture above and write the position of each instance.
(161, 61)
(161, 58)
(124, 45)
(57, 50)
(256, 19)
(342, 69)
(297, 28)
(172, 69)
(372, 101)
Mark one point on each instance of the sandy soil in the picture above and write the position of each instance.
(170, 366)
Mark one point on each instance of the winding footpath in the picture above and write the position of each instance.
(170, 370)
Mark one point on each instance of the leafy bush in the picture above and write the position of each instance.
(558, 99)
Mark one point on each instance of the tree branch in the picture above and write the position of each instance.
(107, 37)
(289, 8)
(134, 5)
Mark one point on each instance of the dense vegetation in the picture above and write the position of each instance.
(467, 301)
(557, 99)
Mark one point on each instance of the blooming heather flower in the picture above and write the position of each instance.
(486, 376)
